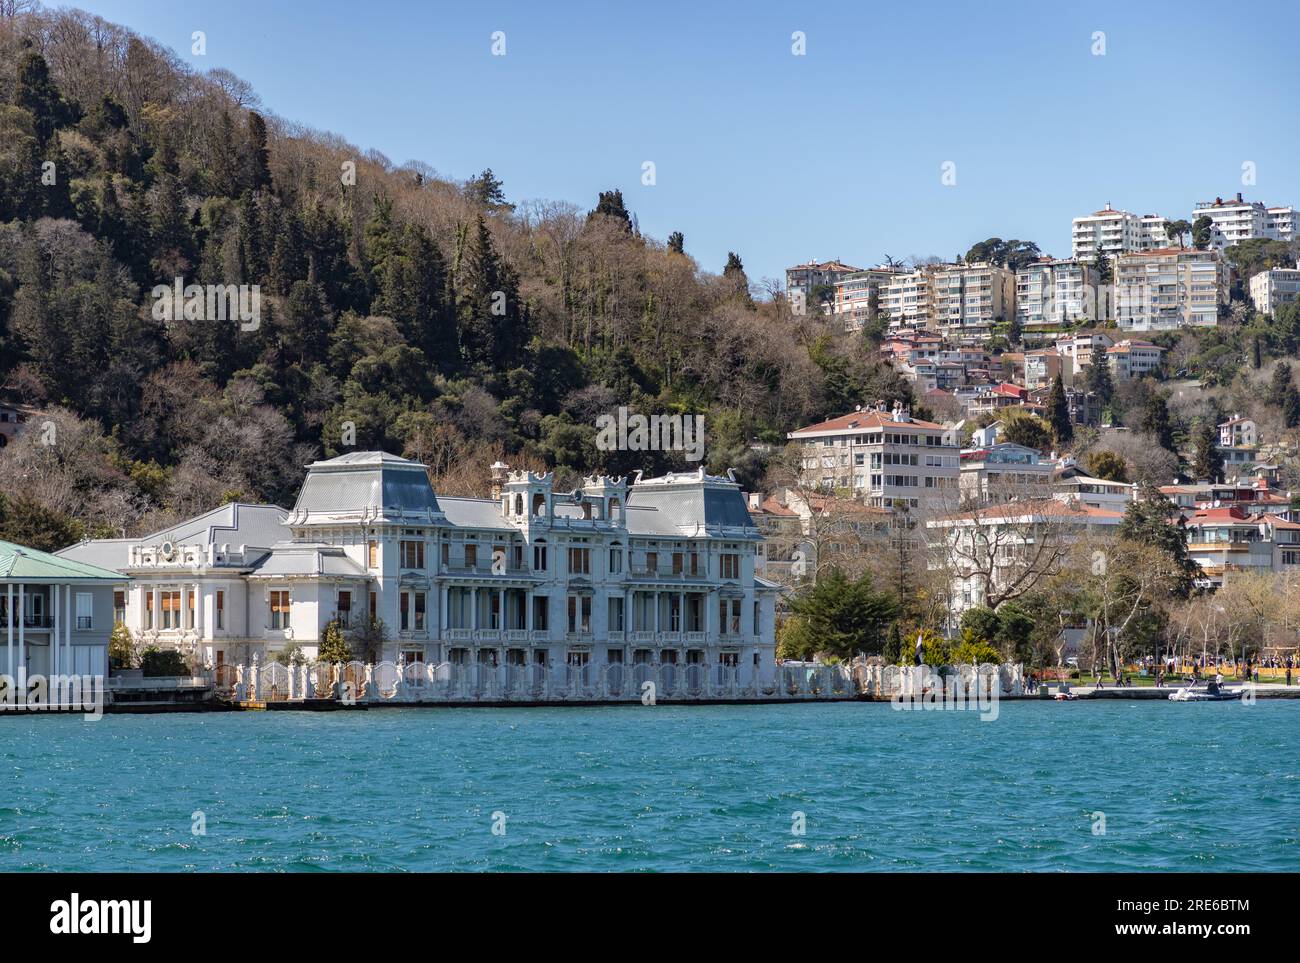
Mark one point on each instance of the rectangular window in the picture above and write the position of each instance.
(413, 555)
(221, 609)
(580, 613)
(85, 611)
(729, 616)
(616, 614)
(372, 554)
(579, 561)
(652, 562)
(171, 610)
(541, 612)
(730, 565)
(471, 556)
(279, 610)
(404, 610)
(374, 606)
(615, 561)
(419, 611)
(343, 609)
(148, 610)
(539, 557)
(119, 605)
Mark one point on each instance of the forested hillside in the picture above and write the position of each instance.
(444, 319)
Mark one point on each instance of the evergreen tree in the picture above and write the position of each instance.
(111, 225)
(1291, 406)
(1154, 520)
(490, 321)
(258, 156)
(36, 93)
(610, 204)
(845, 616)
(1098, 380)
(170, 229)
(1059, 414)
(1155, 419)
(677, 242)
(486, 190)
(893, 651)
(734, 272)
(1207, 460)
(1101, 265)
(1278, 383)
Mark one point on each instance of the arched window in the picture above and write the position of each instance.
(519, 504)
(586, 509)
(539, 503)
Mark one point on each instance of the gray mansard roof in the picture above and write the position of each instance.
(231, 524)
(366, 486)
(234, 524)
(688, 503)
(307, 559)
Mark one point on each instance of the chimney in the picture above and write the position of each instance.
(499, 471)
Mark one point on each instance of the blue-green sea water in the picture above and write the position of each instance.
(1194, 787)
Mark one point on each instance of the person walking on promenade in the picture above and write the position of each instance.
(1288, 676)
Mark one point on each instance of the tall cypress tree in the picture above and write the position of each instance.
(1059, 413)
(36, 93)
(1207, 460)
(1099, 380)
(1155, 419)
(259, 155)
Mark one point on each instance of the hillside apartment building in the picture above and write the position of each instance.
(1169, 288)
(887, 459)
(802, 278)
(1236, 220)
(1115, 232)
(1271, 289)
(1056, 291)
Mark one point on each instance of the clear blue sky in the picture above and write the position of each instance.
(782, 158)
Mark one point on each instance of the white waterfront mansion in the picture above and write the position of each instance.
(660, 571)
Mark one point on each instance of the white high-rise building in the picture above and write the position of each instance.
(1236, 220)
(1116, 232)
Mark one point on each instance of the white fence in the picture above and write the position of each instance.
(389, 682)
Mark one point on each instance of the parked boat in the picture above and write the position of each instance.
(1213, 692)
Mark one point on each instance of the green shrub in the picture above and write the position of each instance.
(163, 662)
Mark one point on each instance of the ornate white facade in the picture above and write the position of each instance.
(660, 571)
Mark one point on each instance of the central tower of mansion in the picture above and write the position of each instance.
(661, 570)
